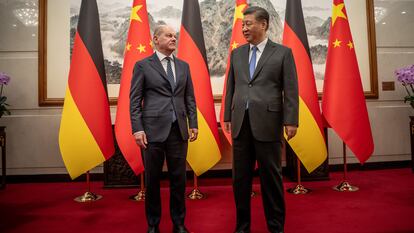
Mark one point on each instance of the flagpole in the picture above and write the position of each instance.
(299, 188)
(140, 196)
(344, 186)
(196, 194)
(88, 196)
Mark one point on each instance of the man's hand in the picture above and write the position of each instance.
(227, 127)
(141, 139)
(193, 134)
(290, 131)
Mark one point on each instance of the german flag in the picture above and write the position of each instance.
(85, 136)
(237, 39)
(343, 101)
(138, 46)
(203, 153)
(309, 142)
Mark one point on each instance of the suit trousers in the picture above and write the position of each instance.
(174, 150)
(246, 150)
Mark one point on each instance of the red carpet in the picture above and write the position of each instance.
(384, 204)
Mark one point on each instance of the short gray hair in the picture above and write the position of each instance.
(159, 29)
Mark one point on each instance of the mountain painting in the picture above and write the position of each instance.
(217, 18)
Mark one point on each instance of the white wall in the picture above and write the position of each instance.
(32, 131)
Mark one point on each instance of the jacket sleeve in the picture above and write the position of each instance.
(190, 102)
(229, 92)
(290, 91)
(136, 97)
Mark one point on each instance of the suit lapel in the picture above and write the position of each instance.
(156, 64)
(178, 72)
(245, 54)
(267, 52)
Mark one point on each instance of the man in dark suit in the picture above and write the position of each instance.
(162, 102)
(261, 99)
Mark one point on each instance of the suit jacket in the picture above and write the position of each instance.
(153, 98)
(272, 92)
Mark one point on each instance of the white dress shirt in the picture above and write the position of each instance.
(164, 62)
(259, 51)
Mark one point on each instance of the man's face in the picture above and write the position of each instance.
(166, 40)
(253, 31)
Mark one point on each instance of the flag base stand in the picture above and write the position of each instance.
(140, 196)
(196, 194)
(298, 189)
(344, 186)
(88, 197)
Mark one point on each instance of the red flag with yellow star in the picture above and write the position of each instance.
(138, 46)
(343, 102)
(237, 39)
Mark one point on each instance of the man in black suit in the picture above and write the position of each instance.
(261, 99)
(162, 102)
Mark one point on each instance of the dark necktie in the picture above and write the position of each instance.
(252, 67)
(170, 76)
(252, 64)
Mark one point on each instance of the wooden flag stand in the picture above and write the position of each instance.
(344, 186)
(196, 194)
(88, 196)
(299, 188)
(140, 196)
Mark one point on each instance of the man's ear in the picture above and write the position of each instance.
(264, 25)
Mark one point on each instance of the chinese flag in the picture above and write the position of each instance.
(343, 102)
(138, 46)
(237, 39)
(85, 135)
(309, 142)
(203, 153)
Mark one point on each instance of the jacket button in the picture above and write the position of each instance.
(250, 85)
(170, 110)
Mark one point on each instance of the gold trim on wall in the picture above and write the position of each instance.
(372, 50)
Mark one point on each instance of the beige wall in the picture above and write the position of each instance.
(32, 131)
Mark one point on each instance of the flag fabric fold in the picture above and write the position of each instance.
(309, 142)
(237, 39)
(203, 153)
(85, 135)
(138, 46)
(343, 102)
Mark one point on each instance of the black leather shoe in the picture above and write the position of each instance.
(180, 229)
(153, 229)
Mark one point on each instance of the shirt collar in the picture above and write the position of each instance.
(161, 56)
(261, 45)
